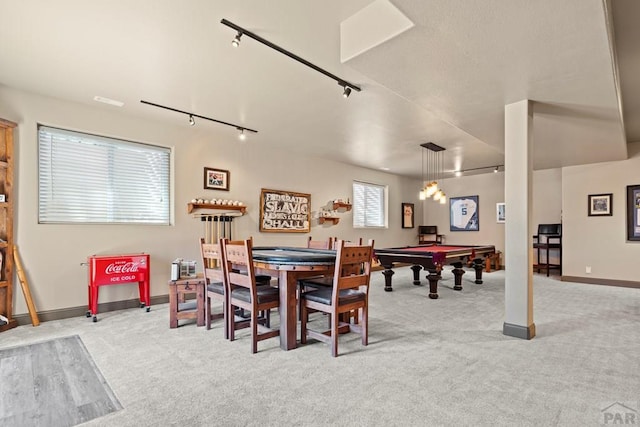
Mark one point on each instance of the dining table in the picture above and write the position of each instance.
(289, 264)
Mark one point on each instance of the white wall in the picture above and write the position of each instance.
(600, 242)
(52, 254)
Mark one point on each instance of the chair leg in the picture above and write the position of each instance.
(364, 323)
(303, 323)
(225, 318)
(547, 261)
(335, 321)
(231, 323)
(207, 312)
(254, 331)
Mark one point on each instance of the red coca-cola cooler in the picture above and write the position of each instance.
(105, 270)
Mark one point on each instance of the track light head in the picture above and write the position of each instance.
(347, 92)
(496, 169)
(242, 136)
(191, 120)
(236, 40)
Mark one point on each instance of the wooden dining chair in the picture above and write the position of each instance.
(349, 294)
(320, 244)
(246, 294)
(216, 288)
(327, 280)
(357, 242)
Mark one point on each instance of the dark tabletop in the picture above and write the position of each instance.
(292, 255)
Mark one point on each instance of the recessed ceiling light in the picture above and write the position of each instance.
(384, 169)
(108, 101)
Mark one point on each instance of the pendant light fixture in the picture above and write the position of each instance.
(435, 166)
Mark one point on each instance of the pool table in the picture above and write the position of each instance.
(432, 258)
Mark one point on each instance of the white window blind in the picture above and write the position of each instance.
(369, 205)
(86, 178)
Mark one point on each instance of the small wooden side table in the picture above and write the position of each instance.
(179, 308)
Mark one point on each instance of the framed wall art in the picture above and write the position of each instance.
(633, 212)
(500, 213)
(464, 213)
(216, 179)
(600, 204)
(407, 215)
(284, 211)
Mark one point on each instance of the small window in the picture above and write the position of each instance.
(369, 205)
(86, 178)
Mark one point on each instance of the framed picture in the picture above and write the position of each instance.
(633, 212)
(216, 179)
(600, 204)
(464, 213)
(500, 214)
(285, 211)
(407, 215)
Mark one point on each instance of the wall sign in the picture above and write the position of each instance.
(284, 211)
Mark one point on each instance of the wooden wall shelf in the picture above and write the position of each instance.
(337, 205)
(192, 206)
(332, 219)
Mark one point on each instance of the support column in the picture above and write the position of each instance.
(518, 294)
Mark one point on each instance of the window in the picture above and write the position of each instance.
(369, 205)
(93, 179)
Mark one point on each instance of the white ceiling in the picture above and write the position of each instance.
(445, 80)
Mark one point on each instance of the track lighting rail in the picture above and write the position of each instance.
(242, 31)
(192, 115)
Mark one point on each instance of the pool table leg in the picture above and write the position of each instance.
(457, 274)
(433, 278)
(416, 274)
(387, 273)
(478, 266)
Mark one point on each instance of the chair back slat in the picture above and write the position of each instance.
(240, 279)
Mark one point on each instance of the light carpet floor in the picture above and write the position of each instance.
(429, 362)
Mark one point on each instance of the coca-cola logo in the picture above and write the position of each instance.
(118, 268)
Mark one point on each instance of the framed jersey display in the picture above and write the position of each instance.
(465, 213)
